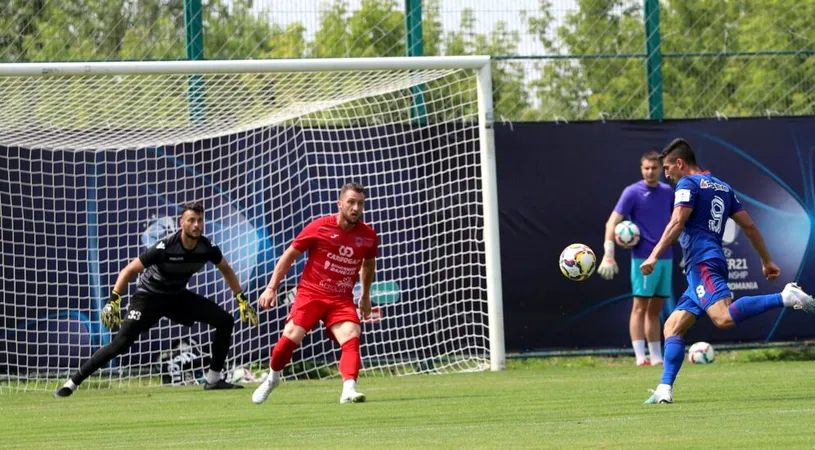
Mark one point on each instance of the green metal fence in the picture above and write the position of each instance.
(554, 59)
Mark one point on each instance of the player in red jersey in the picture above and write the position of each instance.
(338, 247)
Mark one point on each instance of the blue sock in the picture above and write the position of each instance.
(747, 307)
(674, 355)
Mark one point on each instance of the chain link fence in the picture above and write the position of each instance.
(554, 59)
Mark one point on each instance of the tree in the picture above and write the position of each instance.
(738, 85)
(234, 30)
(432, 28)
(509, 91)
(16, 24)
(96, 30)
(375, 29)
(701, 77)
(597, 83)
(93, 30)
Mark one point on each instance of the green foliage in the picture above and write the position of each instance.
(509, 90)
(746, 85)
(595, 83)
(589, 87)
(235, 29)
(802, 353)
(598, 70)
(70, 30)
(310, 370)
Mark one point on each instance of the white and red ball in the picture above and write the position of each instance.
(701, 353)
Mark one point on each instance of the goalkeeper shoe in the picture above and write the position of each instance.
(352, 397)
(63, 392)
(262, 392)
(800, 299)
(221, 384)
(662, 394)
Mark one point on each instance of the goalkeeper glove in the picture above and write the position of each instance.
(608, 268)
(112, 312)
(247, 312)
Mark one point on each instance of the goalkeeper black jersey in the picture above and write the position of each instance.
(169, 265)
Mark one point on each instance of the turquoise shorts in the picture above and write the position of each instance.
(658, 284)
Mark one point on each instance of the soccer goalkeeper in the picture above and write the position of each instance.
(162, 292)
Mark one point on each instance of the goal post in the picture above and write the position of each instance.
(96, 157)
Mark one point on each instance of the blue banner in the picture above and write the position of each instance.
(558, 183)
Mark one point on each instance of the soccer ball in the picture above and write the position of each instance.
(577, 262)
(701, 353)
(627, 234)
(241, 375)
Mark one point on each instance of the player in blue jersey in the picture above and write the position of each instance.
(647, 203)
(702, 205)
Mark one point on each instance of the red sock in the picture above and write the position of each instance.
(281, 354)
(349, 361)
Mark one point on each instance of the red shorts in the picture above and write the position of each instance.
(308, 310)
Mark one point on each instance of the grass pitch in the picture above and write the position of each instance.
(565, 403)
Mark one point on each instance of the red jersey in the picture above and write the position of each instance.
(334, 257)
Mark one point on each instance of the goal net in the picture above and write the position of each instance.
(96, 159)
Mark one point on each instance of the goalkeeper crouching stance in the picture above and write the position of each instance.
(162, 292)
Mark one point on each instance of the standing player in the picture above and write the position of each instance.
(162, 292)
(339, 246)
(647, 203)
(702, 205)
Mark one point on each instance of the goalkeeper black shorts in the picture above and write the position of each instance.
(145, 309)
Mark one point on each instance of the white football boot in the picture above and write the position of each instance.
(795, 296)
(663, 394)
(262, 392)
(350, 394)
(352, 397)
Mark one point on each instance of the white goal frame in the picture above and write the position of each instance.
(479, 64)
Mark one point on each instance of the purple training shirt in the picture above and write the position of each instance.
(650, 209)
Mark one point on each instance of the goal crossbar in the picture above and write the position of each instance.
(243, 66)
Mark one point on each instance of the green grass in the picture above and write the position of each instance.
(562, 403)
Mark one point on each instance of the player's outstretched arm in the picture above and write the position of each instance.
(229, 276)
(112, 311)
(131, 270)
(669, 236)
(269, 296)
(608, 266)
(366, 276)
(247, 312)
(745, 222)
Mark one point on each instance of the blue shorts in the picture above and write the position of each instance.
(658, 284)
(707, 284)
